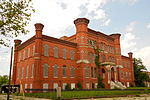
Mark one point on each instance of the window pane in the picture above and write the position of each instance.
(72, 71)
(32, 74)
(56, 52)
(45, 70)
(64, 53)
(46, 50)
(55, 70)
(64, 71)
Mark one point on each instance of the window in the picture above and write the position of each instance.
(33, 52)
(18, 72)
(22, 72)
(87, 85)
(64, 71)
(55, 85)
(117, 52)
(19, 57)
(32, 73)
(45, 70)
(24, 54)
(46, 50)
(64, 86)
(26, 86)
(72, 85)
(45, 86)
(30, 87)
(64, 53)
(27, 68)
(87, 72)
(90, 60)
(103, 58)
(55, 71)
(28, 52)
(56, 52)
(72, 71)
(72, 55)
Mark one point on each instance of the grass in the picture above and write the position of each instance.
(86, 94)
(138, 88)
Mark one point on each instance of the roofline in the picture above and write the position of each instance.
(100, 33)
(56, 40)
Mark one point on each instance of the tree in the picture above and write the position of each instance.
(98, 64)
(140, 74)
(3, 80)
(14, 16)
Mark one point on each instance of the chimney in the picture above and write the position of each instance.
(38, 30)
(17, 42)
(81, 24)
(130, 55)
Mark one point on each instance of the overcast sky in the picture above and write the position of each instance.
(130, 18)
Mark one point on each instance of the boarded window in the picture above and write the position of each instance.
(45, 70)
(46, 50)
(27, 68)
(28, 52)
(87, 72)
(64, 71)
(56, 52)
(33, 51)
(32, 72)
(64, 53)
(22, 72)
(72, 71)
(72, 55)
(55, 71)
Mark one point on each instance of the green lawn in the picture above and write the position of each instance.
(86, 94)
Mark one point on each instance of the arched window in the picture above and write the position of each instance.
(32, 71)
(56, 52)
(72, 55)
(103, 73)
(55, 71)
(72, 71)
(27, 69)
(45, 72)
(87, 72)
(22, 72)
(64, 71)
(91, 58)
(18, 72)
(64, 53)
(46, 50)
(103, 58)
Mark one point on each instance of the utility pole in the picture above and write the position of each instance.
(10, 74)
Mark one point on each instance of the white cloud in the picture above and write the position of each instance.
(131, 2)
(144, 54)
(148, 26)
(58, 15)
(128, 42)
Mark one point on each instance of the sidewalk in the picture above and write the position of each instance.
(4, 97)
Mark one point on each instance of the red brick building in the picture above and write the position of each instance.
(47, 62)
